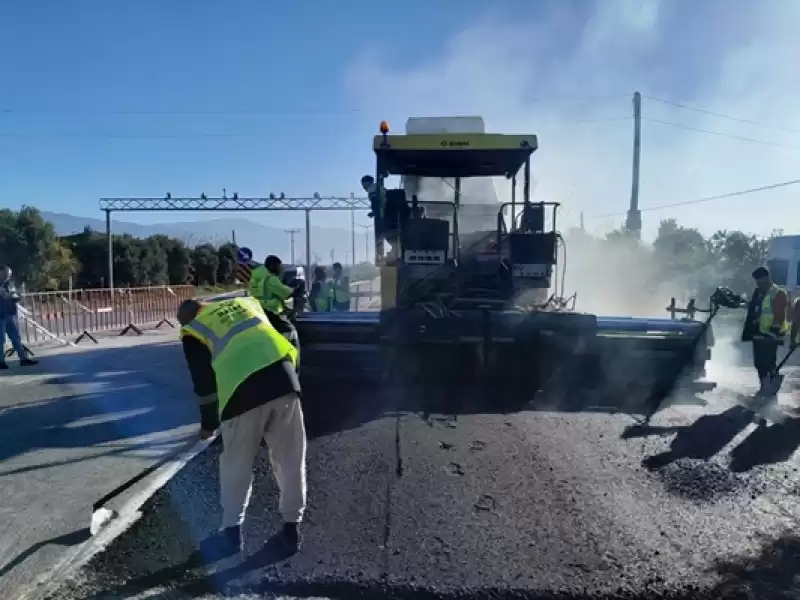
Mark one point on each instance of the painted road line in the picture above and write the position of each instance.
(128, 514)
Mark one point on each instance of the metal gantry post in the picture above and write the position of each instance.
(353, 236)
(110, 252)
(308, 244)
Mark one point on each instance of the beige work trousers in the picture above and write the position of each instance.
(280, 424)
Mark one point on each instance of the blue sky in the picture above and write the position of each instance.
(139, 98)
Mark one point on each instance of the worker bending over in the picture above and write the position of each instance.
(766, 324)
(341, 289)
(267, 287)
(244, 374)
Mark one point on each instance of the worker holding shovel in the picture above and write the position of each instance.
(766, 326)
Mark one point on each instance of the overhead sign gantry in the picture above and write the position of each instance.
(235, 203)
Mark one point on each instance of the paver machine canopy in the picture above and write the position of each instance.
(496, 265)
(484, 293)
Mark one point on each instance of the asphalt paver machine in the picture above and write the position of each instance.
(474, 294)
(474, 304)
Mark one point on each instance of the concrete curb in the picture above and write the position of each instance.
(47, 585)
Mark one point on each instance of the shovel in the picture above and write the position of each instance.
(773, 386)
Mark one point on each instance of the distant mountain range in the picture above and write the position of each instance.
(261, 239)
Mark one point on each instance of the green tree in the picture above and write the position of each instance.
(153, 261)
(227, 263)
(736, 255)
(91, 252)
(682, 257)
(126, 260)
(30, 246)
(179, 262)
(205, 263)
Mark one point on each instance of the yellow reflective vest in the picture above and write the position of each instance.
(767, 317)
(241, 340)
(341, 290)
(323, 302)
(269, 290)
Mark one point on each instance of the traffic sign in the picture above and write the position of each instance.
(244, 255)
(243, 273)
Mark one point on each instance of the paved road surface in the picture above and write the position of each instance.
(531, 504)
(73, 428)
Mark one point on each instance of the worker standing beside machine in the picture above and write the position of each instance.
(266, 287)
(321, 295)
(340, 285)
(766, 324)
(244, 374)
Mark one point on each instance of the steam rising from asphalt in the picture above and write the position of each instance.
(618, 278)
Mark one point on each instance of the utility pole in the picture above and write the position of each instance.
(633, 223)
(583, 228)
(333, 256)
(291, 233)
(366, 242)
(233, 236)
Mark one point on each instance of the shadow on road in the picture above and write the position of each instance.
(128, 397)
(191, 578)
(771, 574)
(69, 539)
(767, 445)
(701, 440)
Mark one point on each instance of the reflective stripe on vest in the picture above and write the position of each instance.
(218, 344)
(250, 343)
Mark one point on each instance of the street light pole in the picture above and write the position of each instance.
(291, 233)
(366, 229)
(353, 236)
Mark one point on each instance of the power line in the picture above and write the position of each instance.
(133, 136)
(763, 188)
(720, 115)
(250, 112)
(720, 134)
(180, 113)
(190, 135)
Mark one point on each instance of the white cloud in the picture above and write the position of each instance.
(524, 75)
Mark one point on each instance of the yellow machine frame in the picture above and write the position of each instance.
(451, 155)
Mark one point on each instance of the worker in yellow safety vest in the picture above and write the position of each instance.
(340, 285)
(766, 324)
(244, 374)
(321, 295)
(267, 287)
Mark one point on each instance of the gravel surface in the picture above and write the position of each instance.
(74, 427)
(698, 504)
